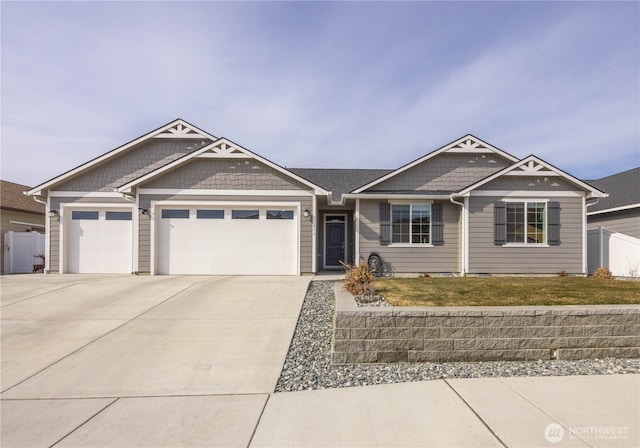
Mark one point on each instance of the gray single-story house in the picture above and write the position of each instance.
(179, 200)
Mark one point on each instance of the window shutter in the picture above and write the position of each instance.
(437, 226)
(500, 223)
(553, 223)
(385, 223)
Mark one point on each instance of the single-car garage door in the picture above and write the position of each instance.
(227, 241)
(99, 241)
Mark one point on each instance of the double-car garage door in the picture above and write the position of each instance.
(203, 240)
(227, 241)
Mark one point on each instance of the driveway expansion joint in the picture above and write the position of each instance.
(489, 428)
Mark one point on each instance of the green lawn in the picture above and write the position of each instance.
(506, 291)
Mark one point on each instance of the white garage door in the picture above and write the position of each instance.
(227, 241)
(99, 241)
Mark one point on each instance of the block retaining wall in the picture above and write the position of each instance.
(449, 334)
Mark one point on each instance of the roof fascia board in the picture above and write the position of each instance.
(593, 192)
(615, 209)
(126, 188)
(394, 196)
(38, 190)
(432, 154)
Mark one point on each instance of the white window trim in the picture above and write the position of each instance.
(546, 223)
(411, 204)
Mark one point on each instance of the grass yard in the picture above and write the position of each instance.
(506, 291)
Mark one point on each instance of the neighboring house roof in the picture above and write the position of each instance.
(534, 166)
(12, 198)
(466, 144)
(339, 181)
(623, 189)
(178, 128)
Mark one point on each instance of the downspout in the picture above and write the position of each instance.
(463, 267)
(585, 241)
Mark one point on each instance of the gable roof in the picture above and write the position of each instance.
(534, 166)
(468, 144)
(12, 198)
(623, 189)
(222, 148)
(339, 180)
(177, 128)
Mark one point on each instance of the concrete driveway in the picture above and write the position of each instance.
(201, 349)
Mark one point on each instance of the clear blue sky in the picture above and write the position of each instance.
(371, 85)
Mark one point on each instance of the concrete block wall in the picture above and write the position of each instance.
(452, 334)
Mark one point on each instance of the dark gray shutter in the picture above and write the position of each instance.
(553, 223)
(385, 223)
(437, 226)
(500, 223)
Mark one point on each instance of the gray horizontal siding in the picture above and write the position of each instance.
(54, 245)
(624, 221)
(444, 258)
(133, 163)
(306, 229)
(485, 257)
(444, 172)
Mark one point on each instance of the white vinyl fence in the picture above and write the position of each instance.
(616, 251)
(20, 249)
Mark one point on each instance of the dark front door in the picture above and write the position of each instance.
(334, 234)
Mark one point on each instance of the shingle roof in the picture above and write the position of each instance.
(339, 181)
(11, 197)
(623, 189)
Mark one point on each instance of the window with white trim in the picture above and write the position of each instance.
(527, 222)
(410, 223)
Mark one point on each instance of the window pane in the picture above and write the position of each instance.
(279, 214)
(400, 223)
(76, 214)
(210, 214)
(515, 222)
(245, 214)
(420, 220)
(170, 213)
(536, 218)
(118, 216)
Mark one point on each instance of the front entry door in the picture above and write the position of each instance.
(335, 241)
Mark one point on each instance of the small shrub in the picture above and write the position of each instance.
(359, 280)
(603, 273)
(424, 276)
(563, 273)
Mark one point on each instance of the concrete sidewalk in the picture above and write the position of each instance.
(586, 411)
(578, 411)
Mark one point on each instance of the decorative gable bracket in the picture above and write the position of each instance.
(470, 145)
(532, 168)
(181, 130)
(223, 149)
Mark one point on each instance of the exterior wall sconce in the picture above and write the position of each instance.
(54, 213)
(306, 213)
(144, 211)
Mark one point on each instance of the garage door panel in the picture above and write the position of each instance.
(227, 246)
(97, 245)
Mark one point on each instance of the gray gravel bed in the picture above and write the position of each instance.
(308, 366)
